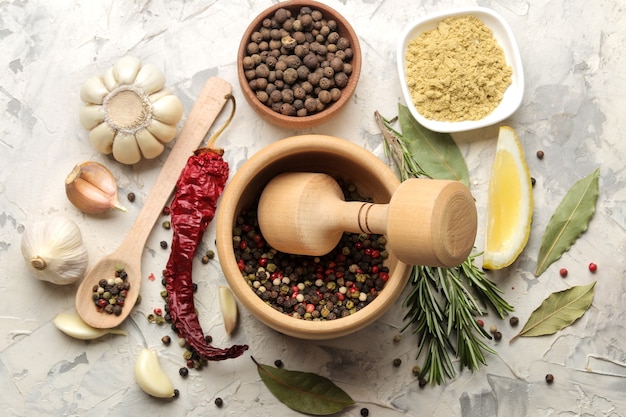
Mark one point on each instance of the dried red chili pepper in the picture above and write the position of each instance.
(193, 207)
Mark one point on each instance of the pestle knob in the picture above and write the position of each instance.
(426, 222)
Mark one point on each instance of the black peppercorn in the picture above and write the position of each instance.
(397, 362)
(163, 244)
(219, 402)
(183, 372)
(278, 363)
(540, 154)
(549, 378)
(365, 412)
(514, 321)
(131, 197)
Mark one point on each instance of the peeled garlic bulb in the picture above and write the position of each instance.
(54, 251)
(125, 105)
(229, 308)
(151, 377)
(91, 187)
(72, 325)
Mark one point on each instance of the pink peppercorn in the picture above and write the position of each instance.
(563, 272)
(593, 267)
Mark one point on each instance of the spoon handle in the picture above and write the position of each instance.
(203, 114)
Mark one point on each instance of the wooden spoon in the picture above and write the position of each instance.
(205, 111)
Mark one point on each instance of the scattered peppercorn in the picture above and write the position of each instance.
(130, 197)
(563, 272)
(533, 181)
(219, 402)
(514, 321)
(497, 336)
(397, 362)
(278, 363)
(493, 329)
(205, 259)
(176, 393)
(183, 371)
(480, 323)
(167, 224)
(365, 412)
(416, 370)
(540, 154)
(549, 378)
(397, 337)
(593, 267)
(163, 244)
(422, 382)
(166, 211)
(166, 340)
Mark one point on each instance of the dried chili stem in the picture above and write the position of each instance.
(211, 142)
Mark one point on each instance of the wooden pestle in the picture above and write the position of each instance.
(427, 222)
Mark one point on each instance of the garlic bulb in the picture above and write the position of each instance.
(128, 112)
(54, 251)
(151, 377)
(72, 325)
(92, 188)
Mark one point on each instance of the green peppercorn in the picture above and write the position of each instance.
(397, 337)
(167, 224)
(416, 370)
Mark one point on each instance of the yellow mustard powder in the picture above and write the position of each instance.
(457, 71)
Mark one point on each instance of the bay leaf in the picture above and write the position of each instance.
(305, 392)
(558, 311)
(437, 153)
(570, 220)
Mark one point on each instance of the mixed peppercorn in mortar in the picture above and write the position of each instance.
(297, 65)
(308, 287)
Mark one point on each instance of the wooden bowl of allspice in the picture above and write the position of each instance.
(298, 63)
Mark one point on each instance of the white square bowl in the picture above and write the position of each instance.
(502, 33)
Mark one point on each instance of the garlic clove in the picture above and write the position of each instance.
(162, 131)
(91, 116)
(168, 109)
(72, 325)
(101, 138)
(150, 79)
(125, 69)
(125, 149)
(93, 90)
(229, 308)
(150, 375)
(149, 145)
(54, 250)
(108, 78)
(91, 188)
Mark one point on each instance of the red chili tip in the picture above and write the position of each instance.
(593, 267)
(563, 272)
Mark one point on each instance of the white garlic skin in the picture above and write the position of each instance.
(151, 377)
(54, 251)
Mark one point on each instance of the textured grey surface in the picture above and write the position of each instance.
(572, 110)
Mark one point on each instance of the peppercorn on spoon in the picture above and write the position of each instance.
(128, 255)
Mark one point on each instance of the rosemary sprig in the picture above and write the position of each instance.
(444, 303)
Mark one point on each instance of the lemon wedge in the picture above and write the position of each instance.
(510, 204)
